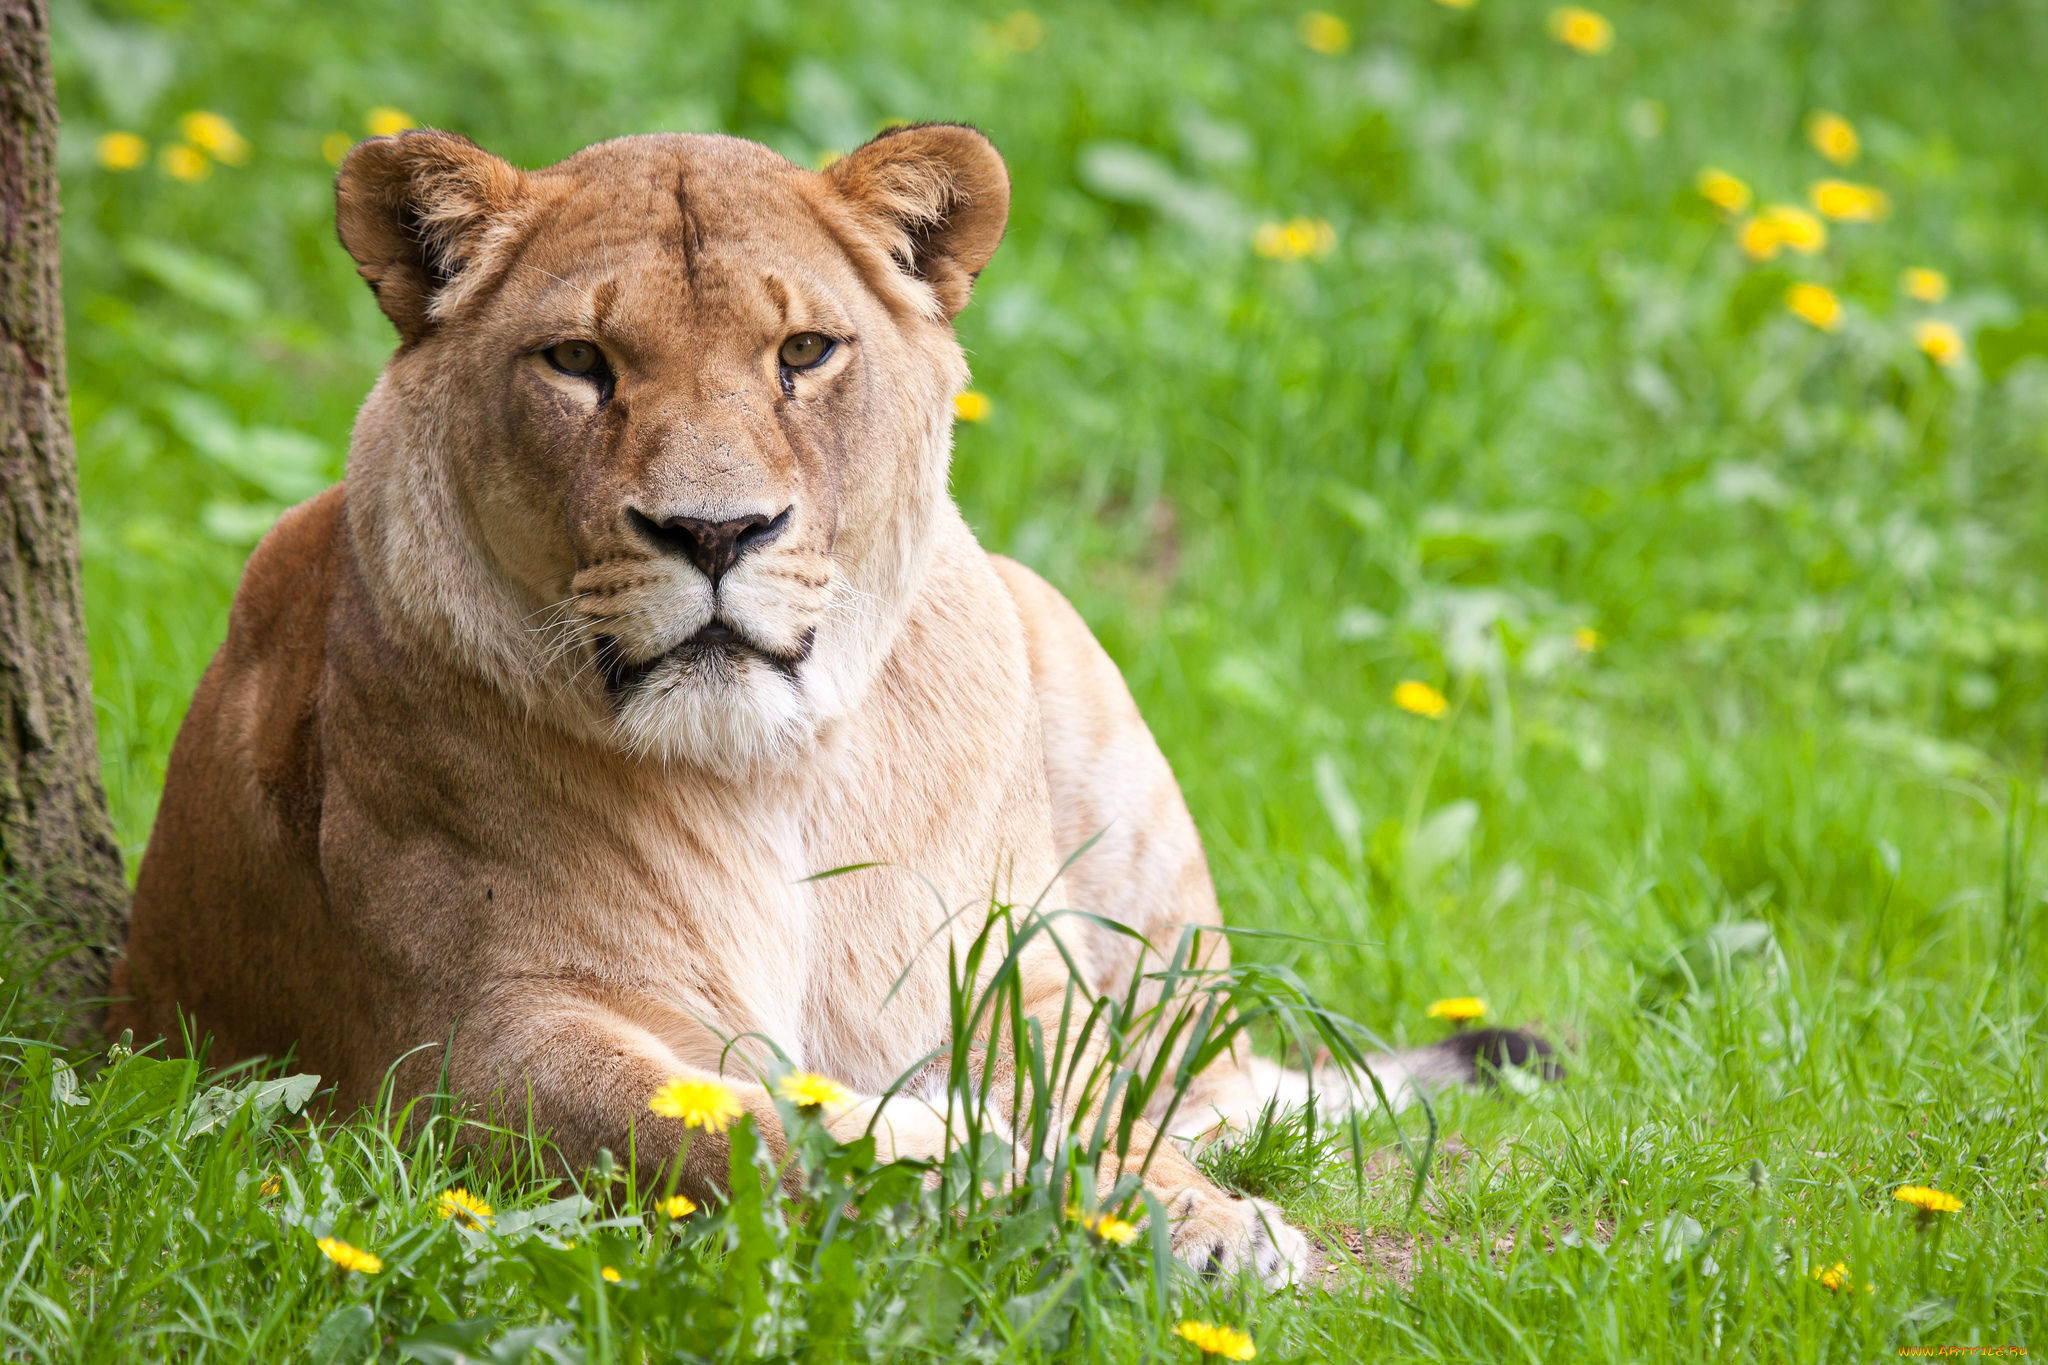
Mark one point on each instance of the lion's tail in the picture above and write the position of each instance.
(1469, 1057)
(1229, 1097)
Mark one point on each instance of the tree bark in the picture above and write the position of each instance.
(57, 849)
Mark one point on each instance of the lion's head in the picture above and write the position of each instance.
(665, 440)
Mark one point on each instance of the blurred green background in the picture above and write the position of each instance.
(1329, 352)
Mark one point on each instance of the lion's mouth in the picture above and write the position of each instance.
(717, 646)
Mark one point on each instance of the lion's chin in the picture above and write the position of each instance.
(734, 715)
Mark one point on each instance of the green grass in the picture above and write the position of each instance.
(1765, 860)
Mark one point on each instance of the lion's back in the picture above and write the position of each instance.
(1111, 789)
(231, 866)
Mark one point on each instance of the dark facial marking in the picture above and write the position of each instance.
(686, 238)
(601, 300)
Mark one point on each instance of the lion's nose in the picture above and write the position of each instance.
(713, 546)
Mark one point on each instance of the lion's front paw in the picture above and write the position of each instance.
(1222, 1234)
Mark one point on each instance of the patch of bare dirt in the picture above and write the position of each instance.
(1369, 1259)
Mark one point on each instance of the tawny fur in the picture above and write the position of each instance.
(406, 814)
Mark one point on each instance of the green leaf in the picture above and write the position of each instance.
(217, 1104)
(239, 523)
(562, 1216)
(1345, 817)
(64, 1086)
(447, 1343)
(348, 1335)
(1443, 835)
(1244, 681)
(209, 282)
(289, 465)
(1361, 508)
(142, 1089)
(1699, 962)
(2001, 348)
(1130, 174)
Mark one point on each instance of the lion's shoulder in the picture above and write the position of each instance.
(1038, 602)
(1060, 643)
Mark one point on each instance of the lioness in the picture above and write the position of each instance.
(644, 599)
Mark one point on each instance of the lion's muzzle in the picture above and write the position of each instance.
(715, 651)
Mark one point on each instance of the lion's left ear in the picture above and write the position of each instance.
(940, 194)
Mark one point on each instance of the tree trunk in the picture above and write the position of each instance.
(57, 849)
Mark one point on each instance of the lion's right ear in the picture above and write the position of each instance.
(419, 212)
(940, 196)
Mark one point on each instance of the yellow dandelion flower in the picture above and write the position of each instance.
(120, 151)
(1294, 239)
(185, 163)
(612, 1275)
(1849, 202)
(1834, 137)
(1833, 1278)
(1926, 285)
(1725, 192)
(1581, 30)
(1213, 1339)
(677, 1206)
(1455, 4)
(1459, 1009)
(1759, 238)
(1779, 226)
(1021, 31)
(460, 1203)
(348, 1257)
(809, 1090)
(1815, 303)
(1794, 227)
(1108, 1227)
(384, 121)
(335, 146)
(1586, 640)
(1321, 31)
(1928, 1201)
(970, 406)
(269, 1188)
(215, 136)
(699, 1104)
(1940, 340)
(1420, 699)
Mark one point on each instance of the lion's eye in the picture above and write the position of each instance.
(806, 349)
(575, 357)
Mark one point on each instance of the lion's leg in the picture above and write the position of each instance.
(584, 1072)
(1210, 1229)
